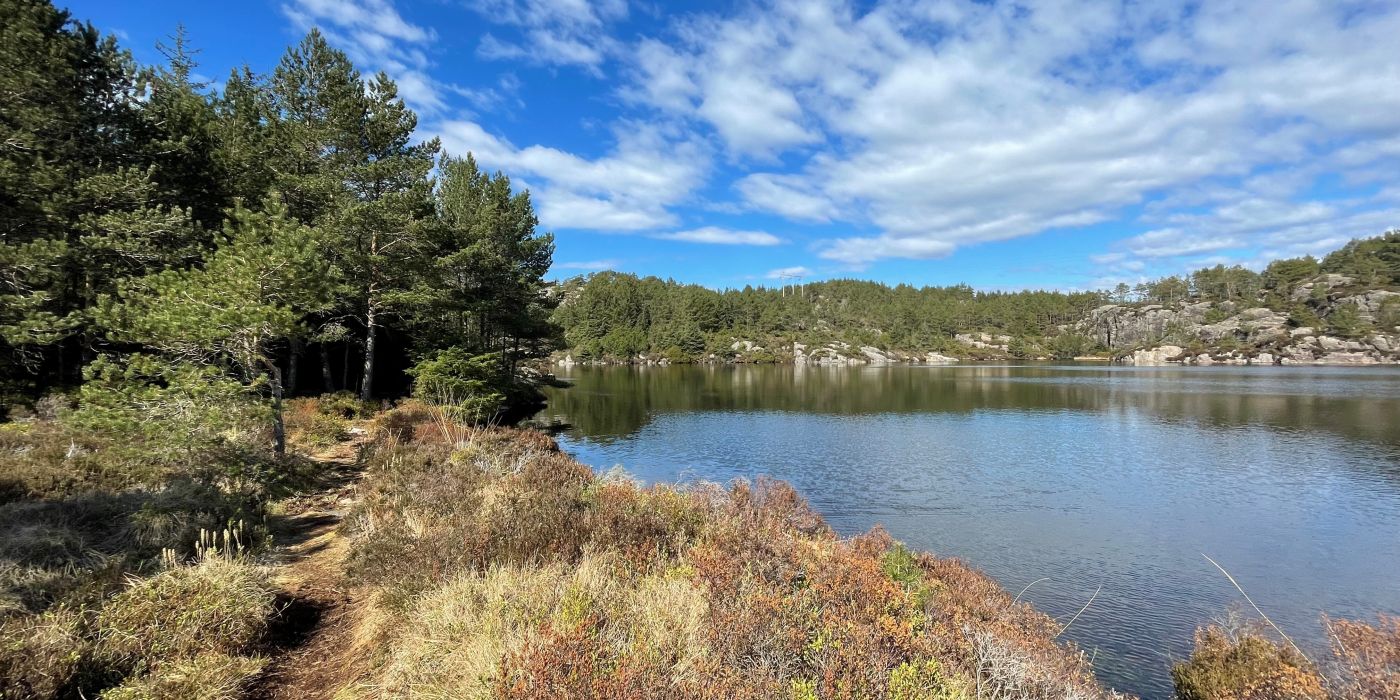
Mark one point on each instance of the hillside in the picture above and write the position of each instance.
(1343, 309)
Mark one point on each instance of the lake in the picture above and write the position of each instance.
(1107, 478)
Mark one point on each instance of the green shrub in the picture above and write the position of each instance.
(473, 386)
(1303, 316)
(1346, 321)
(925, 680)
(346, 405)
(1067, 346)
(214, 607)
(902, 566)
(675, 355)
(1389, 316)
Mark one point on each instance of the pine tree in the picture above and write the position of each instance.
(250, 297)
(487, 268)
(382, 231)
(182, 121)
(317, 107)
(246, 149)
(348, 163)
(71, 158)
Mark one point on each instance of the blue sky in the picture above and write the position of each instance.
(1051, 143)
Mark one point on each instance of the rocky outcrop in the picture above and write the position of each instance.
(1156, 356)
(1368, 305)
(1121, 326)
(1310, 290)
(984, 341)
(1153, 334)
(839, 353)
(876, 357)
(830, 354)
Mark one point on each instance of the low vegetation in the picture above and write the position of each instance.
(500, 567)
(493, 565)
(1242, 661)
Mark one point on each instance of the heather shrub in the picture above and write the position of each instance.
(1365, 663)
(1244, 664)
(309, 425)
(507, 569)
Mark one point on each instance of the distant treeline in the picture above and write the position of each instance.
(282, 230)
(618, 315)
(1370, 262)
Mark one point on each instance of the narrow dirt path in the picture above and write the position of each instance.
(311, 641)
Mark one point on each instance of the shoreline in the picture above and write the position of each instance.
(1127, 361)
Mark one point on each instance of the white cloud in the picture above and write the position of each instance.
(378, 38)
(627, 190)
(376, 20)
(951, 122)
(784, 194)
(937, 124)
(789, 272)
(1172, 242)
(722, 236)
(553, 32)
(862, 251)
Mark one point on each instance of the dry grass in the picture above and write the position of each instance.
(218, 606)
(209, 676)
(92, 535)
(40, 654)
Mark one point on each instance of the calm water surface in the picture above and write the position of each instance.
(1086, 475)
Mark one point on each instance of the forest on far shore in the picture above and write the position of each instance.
(610, 315)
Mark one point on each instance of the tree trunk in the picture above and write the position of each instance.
(327, 382)
(345, 366)
(279, 429)
(367, 382)
(292, 363)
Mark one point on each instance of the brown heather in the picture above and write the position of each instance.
(1241, 661)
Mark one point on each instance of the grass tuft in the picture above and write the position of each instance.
(218, 606)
